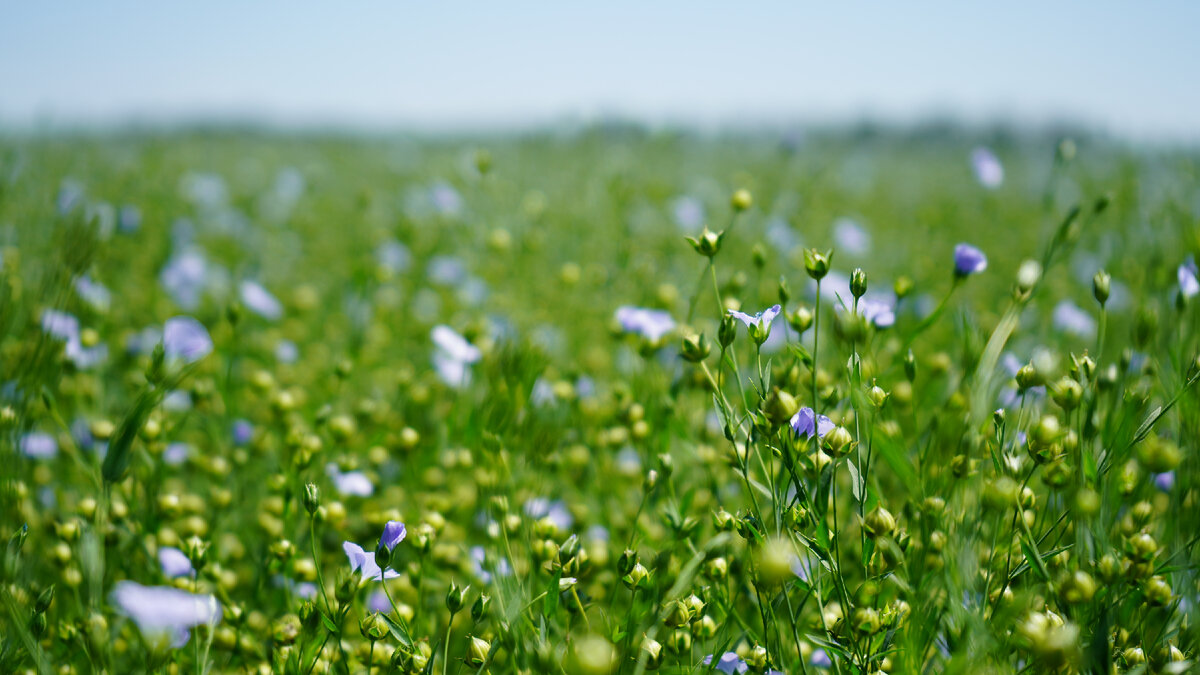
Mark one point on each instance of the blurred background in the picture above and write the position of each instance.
(1112, 68)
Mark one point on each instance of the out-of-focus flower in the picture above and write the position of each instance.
(820, 658)
(393, 256)
(688, 212)
(1189, 278)
(60, 325)
(987, 167)
(260, 301)
(129, 219)
(174, 562)
(445, 199)
(1070, 318)
(350, 483)
(286, 351)
(242, 432)
(806, 423)
(176, 453)
(93, 293)
(65, 327)
(39, 445)
(555, 511)
(364, 563)
(1165, 481)
(453, 356)
(651, 324)
(878, 313)
(185, 277)
(186, 339)
(851, 238)
(165, 613)
(968, 260)
(479, 563)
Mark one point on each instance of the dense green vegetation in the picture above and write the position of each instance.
(520, 348)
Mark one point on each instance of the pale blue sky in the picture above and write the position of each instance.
(1120, 67)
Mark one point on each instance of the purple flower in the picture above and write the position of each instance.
(820, 658)
(393, 256)
(688, 212)
(850, 237)
(66, 327)
(174, 562)
(479, 559)
(39, 445)
(1069, 318)
(878, 313)
(393, 533)
(445, 199)
(186, 339)
(760, 320)
(286, 351)
(165, 613)
(987, 167)
(555, 511)
(185, 276)
(378, 602)
(1165, 481)
(93, 293)
(728, 663)
(805, 424)
(1189, 278)
(351, 483)
(651, 324)
(243, 432)
(129, 219)
(364, 563)
(61, 325)
(260, 301)
(968, 260)
(176, 453)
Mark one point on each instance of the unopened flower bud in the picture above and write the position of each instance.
(312, 498)
(455, 598)
(817, 263)
(1101, 286)
(858, 283)
(694, 348)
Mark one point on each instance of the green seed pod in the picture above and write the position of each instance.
(780, 406)
(653, 650)
(477, 652)
(694, 348)
(741, 200)
(879, 523)
(801, 319)
(677, 614)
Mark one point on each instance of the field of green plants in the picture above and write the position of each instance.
(607, 401)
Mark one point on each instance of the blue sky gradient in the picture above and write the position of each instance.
(1129, 69)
